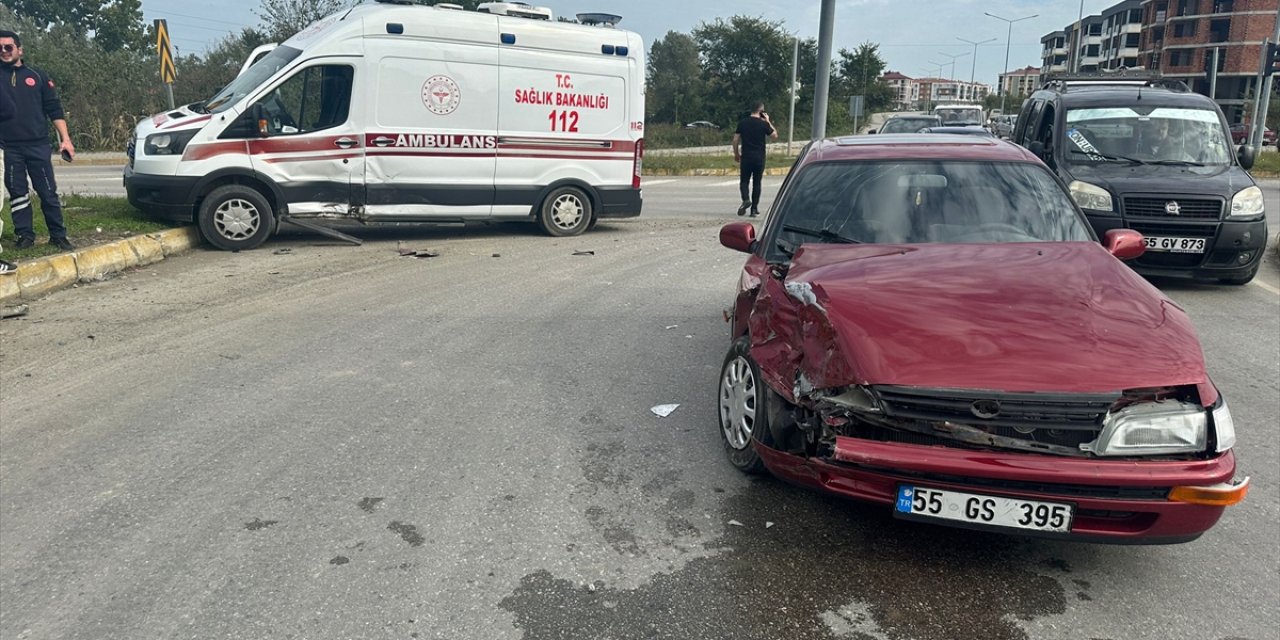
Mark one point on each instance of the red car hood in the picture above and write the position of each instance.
(1050, 317)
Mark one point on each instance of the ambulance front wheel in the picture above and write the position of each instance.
(565, 212)
(235, 217)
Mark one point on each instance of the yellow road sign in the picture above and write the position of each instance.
(168, 71)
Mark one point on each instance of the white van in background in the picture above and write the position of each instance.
(390, 112)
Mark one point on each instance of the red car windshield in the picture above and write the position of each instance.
(905, 202)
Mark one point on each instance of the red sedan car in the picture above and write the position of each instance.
(928, 322)
(1239, 133)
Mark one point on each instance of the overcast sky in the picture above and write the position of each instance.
(911, 33)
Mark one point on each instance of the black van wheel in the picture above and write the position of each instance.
(566, 211)
(235, 217)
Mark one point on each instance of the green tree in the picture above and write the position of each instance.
(202, 76)
(115, 24)
(858, 74)
(675, 86)
(744, 60)
(283, 18)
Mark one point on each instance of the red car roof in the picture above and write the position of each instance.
(918, 146)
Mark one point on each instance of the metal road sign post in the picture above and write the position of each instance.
(168, 71)
(855, 110)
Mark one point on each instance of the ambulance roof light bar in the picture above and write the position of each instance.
(515, 9)
(602, 19)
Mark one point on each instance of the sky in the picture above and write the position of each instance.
(913, 34)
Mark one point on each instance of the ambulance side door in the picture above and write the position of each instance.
(308, 142)
(431, 136)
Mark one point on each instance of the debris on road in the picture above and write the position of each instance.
(736, 523)
(768, 525)
(584, 253)
(14, 312)
(663, 410)
(283, 251)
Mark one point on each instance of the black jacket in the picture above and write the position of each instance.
(36, 104)
(7, 108)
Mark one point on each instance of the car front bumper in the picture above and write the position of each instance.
(1117, 502)
(165, 197)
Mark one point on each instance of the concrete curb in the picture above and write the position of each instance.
(40, 276)
(776, 171)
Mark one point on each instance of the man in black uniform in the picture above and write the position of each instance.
(751, 135)
(26, 145)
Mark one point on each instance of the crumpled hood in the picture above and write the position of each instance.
(1165, 180)
(172, 120)
(1051, 317)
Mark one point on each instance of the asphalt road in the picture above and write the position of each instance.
(338, 442)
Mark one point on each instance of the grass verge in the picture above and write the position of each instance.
(1267, 164)
(90, 220)
(677, 163)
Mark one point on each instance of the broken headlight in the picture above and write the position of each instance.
(1152, 428)
(1224, 429)
(168, 144)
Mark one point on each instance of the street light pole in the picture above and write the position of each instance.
(953, 71)
(973, 67)
(791, 119)
(1008, 41)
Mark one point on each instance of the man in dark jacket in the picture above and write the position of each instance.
(26, 145)
(749, 152)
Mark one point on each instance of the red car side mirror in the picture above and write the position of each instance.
(1125, 244)
(739, 236)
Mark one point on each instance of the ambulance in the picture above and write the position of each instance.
(393, 112)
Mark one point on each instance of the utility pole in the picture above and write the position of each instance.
(974, 63)
(1264, 89)
(822, 87)
(1079, 38)
(1007, 42)
(791, 119)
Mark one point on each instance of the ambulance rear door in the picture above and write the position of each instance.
(431, 139)
(563, 116)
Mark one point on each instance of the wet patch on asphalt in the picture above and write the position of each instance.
(258, 524)
(368, 504)
(829, 568)
(408, 533)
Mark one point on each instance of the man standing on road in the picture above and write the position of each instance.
(27, 148)
(748, 151)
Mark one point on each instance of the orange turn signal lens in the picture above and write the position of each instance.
(1218, 495)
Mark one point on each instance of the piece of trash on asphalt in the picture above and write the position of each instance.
(584, 253)
(273, 273)
(736, 523)
(282, 251)
(15, 311)
(672, 326)
(419, 253)
(768, 525)
(99, 229)
(497, 255)
(664, 410)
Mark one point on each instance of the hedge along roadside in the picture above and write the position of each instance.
(40, 276)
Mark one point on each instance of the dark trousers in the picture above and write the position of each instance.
(33, 161)
(753, 172)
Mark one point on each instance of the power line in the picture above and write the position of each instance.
(183, 15)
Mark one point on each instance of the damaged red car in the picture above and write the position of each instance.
(929, 323)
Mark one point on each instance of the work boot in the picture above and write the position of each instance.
(742, 211)
(24, 242)
(62, 243)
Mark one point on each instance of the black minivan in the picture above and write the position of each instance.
(1150, 155)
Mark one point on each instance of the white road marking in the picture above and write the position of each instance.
(1266, 286)
(650, 183)
(726, 183)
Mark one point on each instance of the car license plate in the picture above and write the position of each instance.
(1013, 513)
(1175, 245)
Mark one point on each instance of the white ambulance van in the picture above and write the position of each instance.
(393, 112)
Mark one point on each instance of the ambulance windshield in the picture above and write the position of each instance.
(251, 79)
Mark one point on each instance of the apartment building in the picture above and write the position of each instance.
(1020, 83)
(1175, 38)
(1180, 36)
(925, 93)
(1053, 53)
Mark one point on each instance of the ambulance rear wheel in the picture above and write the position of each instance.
(235, 217)
(565, 212)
